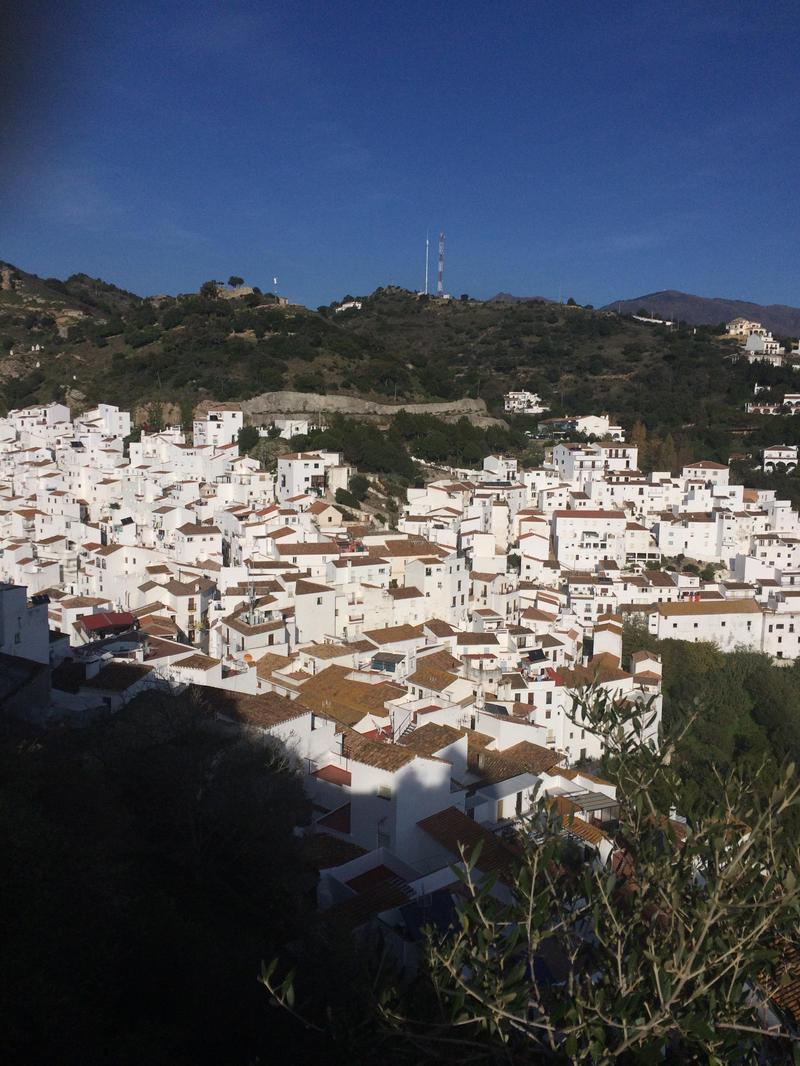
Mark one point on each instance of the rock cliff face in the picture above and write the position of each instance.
(301, 404)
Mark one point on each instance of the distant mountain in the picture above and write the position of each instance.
(709, 311)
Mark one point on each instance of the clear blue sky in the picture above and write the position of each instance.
(603, 150)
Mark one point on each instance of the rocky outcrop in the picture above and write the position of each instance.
(269, 405)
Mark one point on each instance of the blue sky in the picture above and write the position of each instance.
(596, 150)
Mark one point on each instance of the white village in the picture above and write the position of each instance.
(424, 676)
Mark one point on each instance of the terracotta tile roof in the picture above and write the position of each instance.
(270, 662)
(398, 548)
(470, 639)
(335, 775)
(524, 757)
(194, 529)
(571, 823)
(439, 628)
(376, 753)
(787, 995)
(198, 661)
(601, 668)
(706, 607)
(321, 547)
(453, 829)
(263, 711)
(83, 601)
(408, 592)
(428, 676)
(107, 620)
(441, 659)
(310, 588)
(328, 651)
(118, 676)
(333, 693)
(366, 906)
(390, 634)
(429, 738)
(323, 851)
(320, 505)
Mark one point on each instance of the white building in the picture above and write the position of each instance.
(220, 426)
(287, 428)
(24, 629)
(310, 472)
(523, 403)
(761, 346)
(780, 457)
(742, 328)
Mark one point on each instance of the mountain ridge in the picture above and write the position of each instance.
(711, 310)
(85, 341)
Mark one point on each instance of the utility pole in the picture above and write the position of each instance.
(439, 286)
(427, 256)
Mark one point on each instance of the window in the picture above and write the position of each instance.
(319, 601)
(548, 699)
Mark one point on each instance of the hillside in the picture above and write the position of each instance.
(96, 342)
(710, 311)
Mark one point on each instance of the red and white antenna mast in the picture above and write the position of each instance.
(439, 288)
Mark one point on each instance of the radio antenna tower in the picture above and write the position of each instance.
(439, 289)
(427, 256)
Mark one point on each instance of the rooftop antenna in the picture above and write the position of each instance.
(427, 256)
(274, 284)
(439, 289)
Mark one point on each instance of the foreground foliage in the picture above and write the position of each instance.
(666, 953)
(148, 864)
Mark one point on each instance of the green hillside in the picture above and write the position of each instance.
(101, 343)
